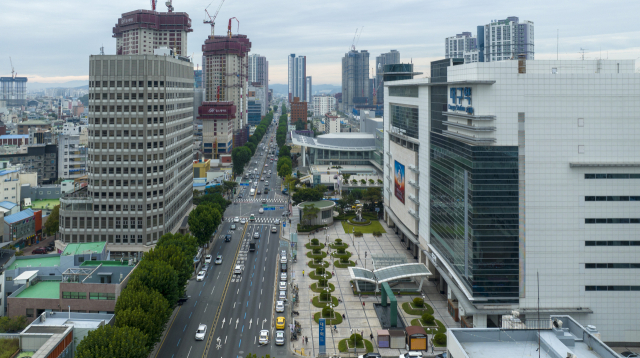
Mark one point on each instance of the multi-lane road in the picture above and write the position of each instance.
(235, 307)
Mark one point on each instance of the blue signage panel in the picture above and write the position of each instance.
(321, 333)
(457, 94)
(284, 224)
(244, 184)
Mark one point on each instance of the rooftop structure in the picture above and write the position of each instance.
(13, 91)
(44, 289)
(36, 261)
(84, 248)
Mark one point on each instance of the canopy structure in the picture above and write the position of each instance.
(390, 273)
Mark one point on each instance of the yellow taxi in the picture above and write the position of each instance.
(280, 323)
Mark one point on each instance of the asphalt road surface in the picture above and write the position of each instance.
(235, 307)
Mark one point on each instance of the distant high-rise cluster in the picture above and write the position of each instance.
(499, 40)
(297, 77)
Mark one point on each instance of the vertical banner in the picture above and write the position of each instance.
(321, 333)
(399, 181)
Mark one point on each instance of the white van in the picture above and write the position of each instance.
(237, 270)
(252, 191)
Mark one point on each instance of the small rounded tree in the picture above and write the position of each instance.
(418, 302)
(316, 251)
(322, 283)
(344, 260)
(341, 251)
(327, 312)
(338, 241)
(317, 260)
(355, 340)
(315, 242)
(320, 271)
(428, 319)
(325, 296)
(440, 339)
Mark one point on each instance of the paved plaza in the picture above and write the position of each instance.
(359, 317)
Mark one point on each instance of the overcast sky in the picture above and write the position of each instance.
(50, 41)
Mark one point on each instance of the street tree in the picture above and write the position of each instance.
(284, 170)
(52, 224)
(174, 256)
(203, 221)
(144, 309)
(160, 276)
(109, 341)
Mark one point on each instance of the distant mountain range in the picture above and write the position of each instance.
(70, 84)
(317, 89)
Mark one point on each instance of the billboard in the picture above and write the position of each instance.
(399, 181)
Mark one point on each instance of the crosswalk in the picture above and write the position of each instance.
(257, 200)
(258, 220)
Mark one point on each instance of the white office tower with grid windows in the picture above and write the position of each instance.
(532, 170)
(323, 104)
(462, 45)
(506, 39)
(140, 177)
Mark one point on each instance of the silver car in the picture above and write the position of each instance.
(279, 338)
(282, 295)
(201, 332)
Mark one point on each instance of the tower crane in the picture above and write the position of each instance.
(229, 30)
(153, 4)
(212, 20)
(353, 42)
(13, 74)
(169, 5)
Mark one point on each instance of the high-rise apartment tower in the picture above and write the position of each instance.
(140, 32)
(297, 77)
(506, 39)
(355, 79)
(259, 72)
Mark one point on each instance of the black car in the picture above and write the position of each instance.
(227, 238)
(372, 355)
(182, 300)
(629, 354)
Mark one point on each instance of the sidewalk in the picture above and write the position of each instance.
(359, 317)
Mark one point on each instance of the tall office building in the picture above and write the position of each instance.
(506, 39)
(297, 77)
(355, 79)
(259, 72)
(388, 58)
(309, 90)
(463, 46)
(140, 177)
(140, 32)
(226, 70)
(508, 198)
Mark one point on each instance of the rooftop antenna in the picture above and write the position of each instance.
(557, 42)
(169, 5)
(582, 50)
(102, 49)
(13, 74)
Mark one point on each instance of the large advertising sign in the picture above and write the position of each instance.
(399, 181)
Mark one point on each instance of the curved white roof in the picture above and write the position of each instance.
(389, 273)
(337, 141)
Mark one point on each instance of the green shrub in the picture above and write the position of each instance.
(309, 228)
(344, 260)
(338, 241)
(325, 296)
(377, 233)
(418, 302)
(316, 251)
(356, 337)
(320, 271)
(428, 319)
(357, 234)
(317, 261)
(440, 339)
(327, 312)
(315, 242)
(322, 283)
(341, 250)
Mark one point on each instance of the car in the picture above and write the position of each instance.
(280, 322)
(268, 175)
(266, 165)
(39, 251)
(201, 276)
(286, 213)
(357, 201)
(205, 267)
(233, 226)
(261, 178)
(255, 183)
(256, 235)
(282, 295)
(266, 190)
(243, 221)
(282, 286)
(218, 260)
(183, 299)
(279, 306)
(261, 211)
(283, 276)
(411, 355)
(201, 332)
(283, 259)
(236, 219)
(264, 201)
(371, 355)
(237, 270)
(277, 222)
(442, 355)
(279, 338)
(240, 195)
(266, 183)
(264, 337)
(629, 354)
(274, 229)
(227, 237)
(283, 253)
(252, 218)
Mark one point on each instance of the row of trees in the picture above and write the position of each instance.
(372, 197)
(240, 156)
(145, 305)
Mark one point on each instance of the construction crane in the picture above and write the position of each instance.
(353, 42)
(229, 30)
(212, 20)
(13, 74)
(358, 40)
(169, 5)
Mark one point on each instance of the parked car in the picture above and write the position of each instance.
(283, 276)
(207, 259)
(201, 332)
(411, 355)
(183, 299)
(282, 295)
(279, 306)
(442, 355)
(279, 338)
(201, 276)
(39, 251)
(629, 354)
(280, 323)
(370, 355)
(282, 286)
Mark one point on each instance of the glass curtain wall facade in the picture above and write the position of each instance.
(339, 157)
(474, 214)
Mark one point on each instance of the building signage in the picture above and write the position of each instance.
(218, 110)
(399, 179)
(457, 95)
(322, 333)
(128, 20)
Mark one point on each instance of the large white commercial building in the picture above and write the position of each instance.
(499, 172)
(323, 105)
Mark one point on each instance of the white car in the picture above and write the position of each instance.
(243, 221)
(277, 222)
(274, 229)
(283, 276)
(207, 259)
(283, 259)
(264, 337)
(266, 183)
(279, 306)
(411, 355)
(201, 276)
(201, 332)
(282, 286)
(279, 338)
(283, 294)
(261, 211)
(236, 219)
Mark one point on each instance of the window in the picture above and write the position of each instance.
(29, 312)
(404, 119)
(102, 296)
(612, 288)
(612, 176)
(613, 221)
(74, 295)
(612, 243)
(403, 91)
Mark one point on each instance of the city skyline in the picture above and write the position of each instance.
(416, 37)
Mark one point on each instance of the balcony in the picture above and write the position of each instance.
(414, 169)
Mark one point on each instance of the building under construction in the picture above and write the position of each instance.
(225, 69)
(139, 32)
(13, 91)
(355, 79)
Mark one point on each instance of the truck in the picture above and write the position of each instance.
(252, 191)
(252, 247)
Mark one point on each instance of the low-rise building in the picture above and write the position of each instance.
(298, 112)
(39, 158)
(72, 157)
(20, 228)
(23, 127)
(14, 139)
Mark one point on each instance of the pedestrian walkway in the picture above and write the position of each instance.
(358, 311)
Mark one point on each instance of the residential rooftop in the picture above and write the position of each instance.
(42, 289)
(105, 263)
(44, 204)
(36, 261)
(84, 248)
